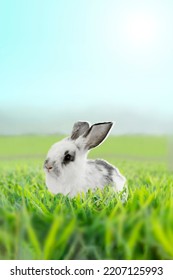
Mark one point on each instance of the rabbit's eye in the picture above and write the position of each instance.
(68, 157)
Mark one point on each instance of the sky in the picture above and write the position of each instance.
(101, 60)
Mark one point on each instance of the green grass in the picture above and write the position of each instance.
(150, 146)
(34, 224)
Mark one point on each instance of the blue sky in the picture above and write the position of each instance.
(62, 61)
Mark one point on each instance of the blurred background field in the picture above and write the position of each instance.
(35, 224)
(151, 147)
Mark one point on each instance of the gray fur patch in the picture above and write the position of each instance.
(46, 161)
(108, 180)
(100, 165)
(106, 165)
(109, 168)
(56, 170)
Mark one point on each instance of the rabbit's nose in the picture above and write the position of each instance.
(48, 165)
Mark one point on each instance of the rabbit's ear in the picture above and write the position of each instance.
(79, 128)
(96, 134)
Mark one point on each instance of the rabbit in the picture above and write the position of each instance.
(69, 172)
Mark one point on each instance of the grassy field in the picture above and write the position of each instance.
(34, 224)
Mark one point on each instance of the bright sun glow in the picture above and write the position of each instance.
(140, 29)
(132, 32)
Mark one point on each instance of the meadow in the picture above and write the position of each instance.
(34, 224)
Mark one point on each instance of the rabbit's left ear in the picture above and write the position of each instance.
(79, 128)
(96, 134)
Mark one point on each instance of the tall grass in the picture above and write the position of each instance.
(35, 224)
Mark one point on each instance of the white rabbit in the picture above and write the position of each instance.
(68, 171)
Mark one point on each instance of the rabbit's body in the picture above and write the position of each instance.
(68, 171)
